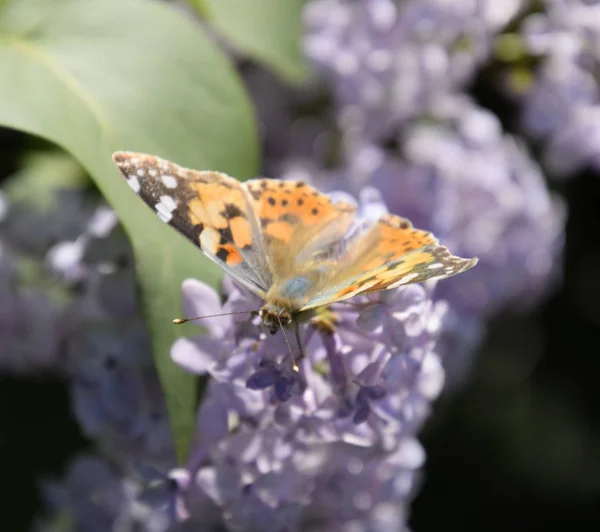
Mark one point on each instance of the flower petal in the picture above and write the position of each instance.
(199, 299)
(261, 379)
(197, 355)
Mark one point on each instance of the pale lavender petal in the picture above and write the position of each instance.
(199, 299)
(198, 355)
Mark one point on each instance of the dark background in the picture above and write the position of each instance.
(516, 448)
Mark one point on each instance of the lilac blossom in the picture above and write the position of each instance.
(95, 495)
(29, 316)
(67, 257)
(562, 104)
(270, 441)
(457, 175)
(115, 390)
(486, 197)
(388, 60)
(91, 332)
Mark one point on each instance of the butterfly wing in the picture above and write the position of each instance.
(211, 209)
(299, 224)
(389, 254)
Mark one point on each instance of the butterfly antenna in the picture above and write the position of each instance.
(179, 321)
(294, 365)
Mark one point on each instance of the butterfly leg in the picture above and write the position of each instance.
(299, 342)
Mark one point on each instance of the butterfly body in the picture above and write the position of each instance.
(284, 240)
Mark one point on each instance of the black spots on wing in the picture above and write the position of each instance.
(315, 211)
(226, 235)
(222, 254)
(397, 223)
(284, 202)
(300, 184)
(271, 201)
(300, 202)
(231, 211)
(266, 221)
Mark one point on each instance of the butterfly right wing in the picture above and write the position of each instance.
(391, 253)
(214, 211)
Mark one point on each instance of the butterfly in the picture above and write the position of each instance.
(285, 241)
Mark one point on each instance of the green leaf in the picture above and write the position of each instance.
(269, 31)
(105, 75)
(40, 175)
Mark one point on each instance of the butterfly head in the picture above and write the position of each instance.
(275, 317)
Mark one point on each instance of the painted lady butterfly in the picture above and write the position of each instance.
(285, 241)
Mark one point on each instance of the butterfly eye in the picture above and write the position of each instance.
(285, 318)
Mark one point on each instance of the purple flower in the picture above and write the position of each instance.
(268, 437)
(68, 257)
(489, 199)
(389, 61)
(115, 392)
(30, 331)
(94, 495)
(478, 190)
(562, 103)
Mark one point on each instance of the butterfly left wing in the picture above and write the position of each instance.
(214, 211)
(390, 254)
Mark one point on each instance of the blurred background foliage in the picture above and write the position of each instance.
(513, 445)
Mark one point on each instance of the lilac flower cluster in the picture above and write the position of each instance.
(330, 446)
(388, 61)
(114, 387)
(562, 104)
(68, 305)
(437, 157)
(94, 496)
(29, 336)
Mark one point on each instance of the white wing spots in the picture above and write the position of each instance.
(165, 207)
(140, 172)
(435, 266)
(404, 280)
(134, 183)
(152, 172)
(169, 181)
